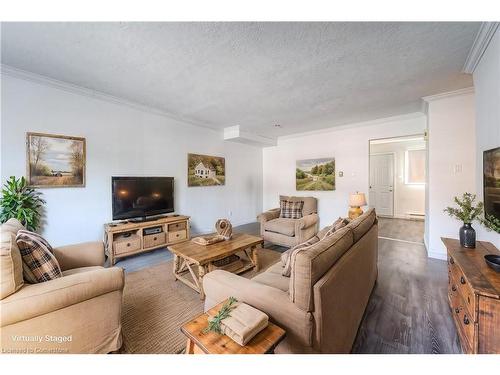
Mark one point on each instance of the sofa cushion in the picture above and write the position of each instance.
(310, 203)
(11, 264)
(362, 224)
(291, 210)
(39, 262)
(309, 265)
(273, 279)
(280, 225)
(287, 268)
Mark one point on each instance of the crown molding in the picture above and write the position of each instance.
(382, 120)
(80, 90)
(449, 94)
(481, 42)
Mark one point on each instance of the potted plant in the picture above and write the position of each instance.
(466, 212)
(21, 202)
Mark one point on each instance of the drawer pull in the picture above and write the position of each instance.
(128, 244)
(466, 320)
(454, 288)
(457, 310)
(154, 238)
(451, 260)
(462, 280)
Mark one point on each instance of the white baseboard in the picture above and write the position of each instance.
(437, 255)
(203, 231)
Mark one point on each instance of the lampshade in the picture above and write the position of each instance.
(357, 200)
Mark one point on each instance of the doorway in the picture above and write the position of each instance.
(397, 179)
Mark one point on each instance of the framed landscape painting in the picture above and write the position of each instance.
(491, 172)
(315, 174)
(55, 160)
(205, 170)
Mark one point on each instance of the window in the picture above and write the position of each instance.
(415, 167)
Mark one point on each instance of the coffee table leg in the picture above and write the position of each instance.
(189, 347)
(177, 262)
(255, 258)
(202, 270)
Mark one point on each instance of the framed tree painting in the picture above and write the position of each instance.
(315, 174)
(55, 160)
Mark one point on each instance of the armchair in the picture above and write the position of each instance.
(79, 312)
(290, 232)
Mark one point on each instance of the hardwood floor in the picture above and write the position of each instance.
(401, 229)
(408, 309)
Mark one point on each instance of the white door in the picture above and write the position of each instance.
(381, 195)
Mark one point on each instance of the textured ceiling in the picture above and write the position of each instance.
(304, 76)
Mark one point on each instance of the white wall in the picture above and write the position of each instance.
(122, 141)
(452, 164)
(350, 147)
(487, 88)
(408, 198)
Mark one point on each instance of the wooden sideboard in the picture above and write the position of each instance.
(474, 296)
(124, 239)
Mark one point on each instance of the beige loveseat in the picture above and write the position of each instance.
(321, 305)
(77, 313)
(290, 232)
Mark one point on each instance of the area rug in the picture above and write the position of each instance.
(155, 306)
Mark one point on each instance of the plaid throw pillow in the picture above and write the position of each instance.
(39, 262)
(291, 209)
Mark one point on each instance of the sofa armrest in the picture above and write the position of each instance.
(220, 285)
(271, 214)
(84, 254)
(33, 300)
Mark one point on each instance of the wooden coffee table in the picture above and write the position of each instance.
(193, 261)
(199, 342)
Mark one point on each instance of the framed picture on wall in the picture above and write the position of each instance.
(491, 182)
(315, 174)
(55, 160)
(205, 170)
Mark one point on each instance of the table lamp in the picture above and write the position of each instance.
(355, 202)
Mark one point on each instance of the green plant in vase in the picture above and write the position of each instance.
(467, 212)
(21, 202)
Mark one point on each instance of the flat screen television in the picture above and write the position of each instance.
(491, 173)
(139, 197)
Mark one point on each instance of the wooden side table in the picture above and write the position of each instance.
(213, 343)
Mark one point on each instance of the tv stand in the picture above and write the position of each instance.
(122, 240)
(145, 219)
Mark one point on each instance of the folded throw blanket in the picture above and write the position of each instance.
(243, 324)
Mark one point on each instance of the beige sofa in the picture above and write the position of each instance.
(77, 313)
(290, 232)
(321, 305)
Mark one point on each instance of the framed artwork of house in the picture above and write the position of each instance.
(205, 170)
(55, 160)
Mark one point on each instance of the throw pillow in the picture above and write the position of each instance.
(287, 270)
(291, 210)
(39, 262)
(329, 230)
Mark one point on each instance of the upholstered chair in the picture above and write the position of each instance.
(290, 232)
(79, 312)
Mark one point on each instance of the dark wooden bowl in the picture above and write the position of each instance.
(493, 261)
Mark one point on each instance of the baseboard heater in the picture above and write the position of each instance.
(416, 215)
